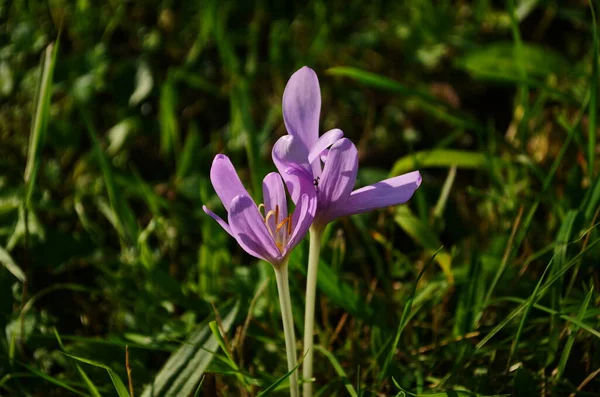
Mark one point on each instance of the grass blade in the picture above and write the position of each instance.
(404, 319)
(40, 121)
(339, 370)
(564, 358)
(117, 382)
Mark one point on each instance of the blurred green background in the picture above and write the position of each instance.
(106, 140)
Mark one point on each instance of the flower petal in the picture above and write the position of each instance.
(302, 219)
(339, 174)
(225, 180)
(302, 106)
(217, 218)
(274, 199)
(326, 140)
(250, 231)
(393, 191)
(291, 159)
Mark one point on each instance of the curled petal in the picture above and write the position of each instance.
(291, 159)
(249, 229)
(393, 191)
(217, 218)
(326, 140)
(339, 174)
(302, 106)
(225, 180)
(274, 199)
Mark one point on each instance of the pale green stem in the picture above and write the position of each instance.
(283, 287)
(309, 313)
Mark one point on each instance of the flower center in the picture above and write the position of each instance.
(280, 230)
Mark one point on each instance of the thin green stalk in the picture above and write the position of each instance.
(283, 287)
(309, 313)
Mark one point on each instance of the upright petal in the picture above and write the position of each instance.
(302, 106)
(274, 198)
(291, 159)
(302, 219)
(249, 229)
(393, 191)
(217, 218)
(225, 180)
(339, 174)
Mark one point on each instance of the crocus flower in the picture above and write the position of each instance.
(268, 235)
(299, 157)
(327, 165)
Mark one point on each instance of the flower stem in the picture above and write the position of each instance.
(309, 314)
(283, 287)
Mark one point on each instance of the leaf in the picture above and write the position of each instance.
(406, 314)
(40, 120)
(88, 382)
(377, 81)
(169, 127)
(339, 370)
(423, 99)
(117, 382)
(185, 368)
(439, 158)
(10, 265)
(274, 385)
(55, 381)
(423, 235)
(502, 61)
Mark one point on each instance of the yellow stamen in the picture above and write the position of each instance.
(261, 208)
(287, 220)
(267, 216)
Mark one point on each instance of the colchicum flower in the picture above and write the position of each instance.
(299, 157)
(270, 234)
(327, 165)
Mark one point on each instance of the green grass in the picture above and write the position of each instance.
(485, 284)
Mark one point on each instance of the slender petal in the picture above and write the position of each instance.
(393, 191)
(302, 106)
(339, 174)
(326, 140)
(274, 199)
(217, 218)
(225, 180)
(250, 231)
(291, 159)
(302, 219)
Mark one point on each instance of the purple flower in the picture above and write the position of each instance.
(268, 235)
(327, 165)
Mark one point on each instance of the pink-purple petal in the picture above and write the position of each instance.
(326, 140)
(249, 229)
(217, 218)
(302, 219)
(302, 106)
(291, 159)
(274, 198)
(393, 191)
(339, 174)
(225, 180)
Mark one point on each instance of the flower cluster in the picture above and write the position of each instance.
(319, 173)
